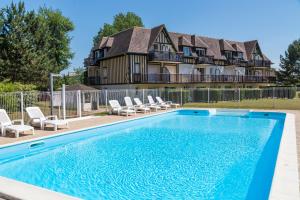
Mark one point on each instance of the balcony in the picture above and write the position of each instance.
(165, 56)
(259, 63)
(196, 78)
(205, 60)
(236, 61)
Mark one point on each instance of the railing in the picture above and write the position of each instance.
(165, 56)
(197, 78)
(235, 61)
(205, 60)
(259, 63)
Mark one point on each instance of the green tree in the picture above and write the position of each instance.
(289, 73)
(33, 44)
(121, 22)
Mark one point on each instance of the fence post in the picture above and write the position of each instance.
(97, 99)
(106, 101)
(273, 97)
(239, 94)
(143, 95)
(63, 94)
(22, 106)
(208, 95)
(79, 103)
(181, 96)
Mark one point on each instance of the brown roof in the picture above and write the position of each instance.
(198, 42)
(249, 47)
(184, 41)
(225, 46)
(139, 40)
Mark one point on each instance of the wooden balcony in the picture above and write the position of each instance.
(165, 56)
(205, 60)
(195, 78)
(236, 61)
(259, 63)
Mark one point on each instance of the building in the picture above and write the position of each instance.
(151, 58)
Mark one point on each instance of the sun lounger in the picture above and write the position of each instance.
(129, 104)
(161, 102)
(162, 106)
(7, 125)
(38, 119)
(117, 108)
(140, 104)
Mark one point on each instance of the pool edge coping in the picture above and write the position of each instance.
(285, 183)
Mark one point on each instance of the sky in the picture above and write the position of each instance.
(275, 23)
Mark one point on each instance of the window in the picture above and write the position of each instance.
(165, 47)
(155, 47)
(99, 54)
(187, 51)
(240, 55)
(200, 51)
(137, 69)
(228, 54)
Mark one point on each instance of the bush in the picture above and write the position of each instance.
(12, 101)
(15, 87)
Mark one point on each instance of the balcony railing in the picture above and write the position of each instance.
(259, 63)
(235, 61)
(196, 78)
(205, 60)
(165, 56)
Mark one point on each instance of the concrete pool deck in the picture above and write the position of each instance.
(101, 120)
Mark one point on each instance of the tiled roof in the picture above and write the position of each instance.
(139, 40)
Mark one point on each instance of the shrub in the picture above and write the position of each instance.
(14, 87)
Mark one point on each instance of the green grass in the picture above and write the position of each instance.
(284, 104)
(101, 114)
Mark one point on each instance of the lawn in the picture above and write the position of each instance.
(285, 104)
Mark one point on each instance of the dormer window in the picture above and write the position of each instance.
(187, 51)
(240, 55)
(201, 52)
(99, 54)
(228, 54)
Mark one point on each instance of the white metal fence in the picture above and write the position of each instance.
(81, 103)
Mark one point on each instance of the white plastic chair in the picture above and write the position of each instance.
(140, 104)
(37, 118)
(162, 106)
(7, 125)
(130, 105)
(117, 108)
(161, 102)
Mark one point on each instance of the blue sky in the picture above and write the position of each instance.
(275, 23)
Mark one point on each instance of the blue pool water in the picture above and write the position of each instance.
(184, 154)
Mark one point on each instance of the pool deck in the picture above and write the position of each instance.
(77, 124)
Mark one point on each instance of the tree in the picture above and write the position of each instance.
(33, 44)
(121, 22)
(289, 74)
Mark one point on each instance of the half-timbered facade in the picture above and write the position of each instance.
(149, 58)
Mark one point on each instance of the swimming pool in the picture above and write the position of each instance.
(181, 154)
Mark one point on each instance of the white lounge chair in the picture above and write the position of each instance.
(161, 102)
(152, 102)
(38, 119)
(117, 108)
(130, 105)
(7, 125)
(140, 104)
